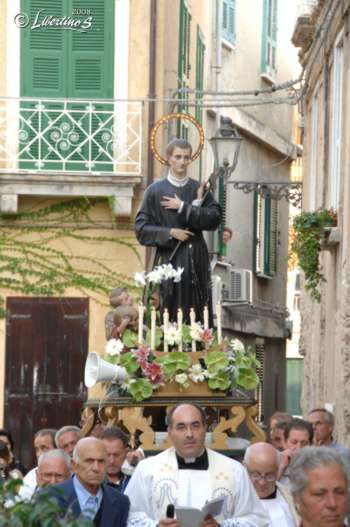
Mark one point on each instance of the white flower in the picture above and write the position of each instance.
(237, 345)
(172, 335)
(114, 347)
(182, 379)
(167, 271)
(140, 279)
(197, 374)
(177, 274)
(196, 332)
(155, 276)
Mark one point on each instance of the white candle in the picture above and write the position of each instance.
(206, 317)
(153, 329)
(140, 333)
(179, 326)
(218, 322)
(166, 325)
(193, 322)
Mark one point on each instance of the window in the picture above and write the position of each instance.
(269, 38)
(336, 124)
(184, 65)
(228, 20)
(265, 235)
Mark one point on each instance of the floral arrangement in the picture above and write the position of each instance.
(222, 369)
(165, 354)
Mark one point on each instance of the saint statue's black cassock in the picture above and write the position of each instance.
(152, 225)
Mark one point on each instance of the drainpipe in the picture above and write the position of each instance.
(151, 84)
(151, 95)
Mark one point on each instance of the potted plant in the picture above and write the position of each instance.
(308, 233)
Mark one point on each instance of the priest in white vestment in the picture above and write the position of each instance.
(188, 474)
(262, 462)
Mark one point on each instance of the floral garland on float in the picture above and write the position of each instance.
(176, 353)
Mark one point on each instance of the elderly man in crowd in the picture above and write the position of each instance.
(54, 466)
(261, 461)
(297, 434)
(67, 437)
(86, 494)
(188, 474)
(323, 424)
(319, 484)
(44, 441)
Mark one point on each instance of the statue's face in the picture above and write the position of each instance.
(178, 161)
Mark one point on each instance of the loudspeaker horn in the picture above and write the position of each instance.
(98, 370)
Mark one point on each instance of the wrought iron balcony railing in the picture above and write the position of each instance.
(70, 135)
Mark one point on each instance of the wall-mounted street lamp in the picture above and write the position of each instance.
(225, 144)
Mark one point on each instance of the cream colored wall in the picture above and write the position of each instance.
(120, 258)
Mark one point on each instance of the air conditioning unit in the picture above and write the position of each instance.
(239, 287)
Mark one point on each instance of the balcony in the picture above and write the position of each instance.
(65, 147)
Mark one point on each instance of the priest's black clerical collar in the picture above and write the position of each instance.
(271, 496)
(197, 463)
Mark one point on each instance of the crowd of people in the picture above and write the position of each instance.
(298, 480)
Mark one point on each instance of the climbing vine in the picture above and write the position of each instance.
(30, 264)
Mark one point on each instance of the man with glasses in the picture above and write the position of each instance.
(189, 475)
(262, 461)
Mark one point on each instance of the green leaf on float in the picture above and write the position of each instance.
(158, 339)
(140, 389)
(130, 338)
(174, 362)
(216, 361)
(221, 381)
(129, 362)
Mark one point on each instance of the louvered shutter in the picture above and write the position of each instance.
(228, 20)
(91, 57)
(259, 221)
(42, 52)
(273, 237)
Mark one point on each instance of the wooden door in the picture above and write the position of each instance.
(46, 348)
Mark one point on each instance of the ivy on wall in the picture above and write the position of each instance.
(30, 264)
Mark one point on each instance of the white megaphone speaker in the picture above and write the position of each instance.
(98, 370)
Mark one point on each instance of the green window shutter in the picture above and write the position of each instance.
(184, 65)
(273, 237)
(228, 20)
(222, 200)
(265, 235)
(269, 37)
(200, 51)
(258, 237)
(42, 53)
(91, 57)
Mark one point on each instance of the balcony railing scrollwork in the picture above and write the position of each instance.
(70, 135)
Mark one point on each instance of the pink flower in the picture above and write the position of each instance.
(141, 355)
(154, 372)
(207, 336)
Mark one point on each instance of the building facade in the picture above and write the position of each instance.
(322, 35)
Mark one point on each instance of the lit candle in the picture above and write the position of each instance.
(179, 326)
(140, 333)
(218, 322)
(153, 329)
(166, 325)
(193, 322)
(206, 317)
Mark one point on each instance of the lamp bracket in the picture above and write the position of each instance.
(291, 191)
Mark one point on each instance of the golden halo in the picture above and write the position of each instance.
(166, 118)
